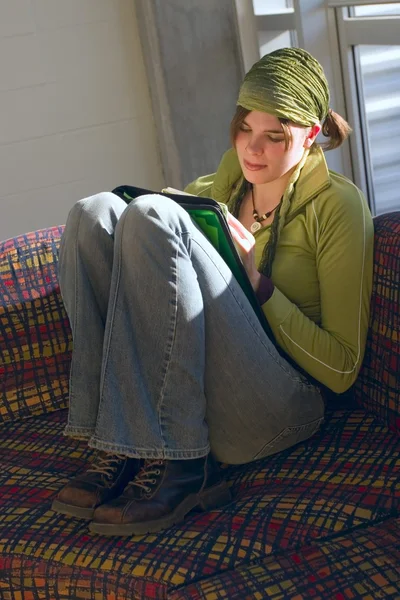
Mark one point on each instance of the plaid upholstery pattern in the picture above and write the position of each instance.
(378, 384)
(47, 581)
(35, 339)
(345, 477)
(363, 564)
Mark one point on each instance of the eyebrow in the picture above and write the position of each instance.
(267, 130)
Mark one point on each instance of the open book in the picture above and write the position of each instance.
(171, 190)
(211, 218)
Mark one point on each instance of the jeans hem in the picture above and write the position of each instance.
(159, 453)
(78, 433)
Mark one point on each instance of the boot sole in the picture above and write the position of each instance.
(72, 511)
(214, 497)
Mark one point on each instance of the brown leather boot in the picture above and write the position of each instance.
(103, 481)
(161, 495)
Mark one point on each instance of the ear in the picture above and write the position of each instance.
(311, 135)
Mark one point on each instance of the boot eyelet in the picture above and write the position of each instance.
(158, 472)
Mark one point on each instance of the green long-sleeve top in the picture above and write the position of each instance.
(322, 270)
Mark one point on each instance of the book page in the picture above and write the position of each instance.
(171, 190)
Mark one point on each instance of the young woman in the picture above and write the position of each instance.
(171, 368)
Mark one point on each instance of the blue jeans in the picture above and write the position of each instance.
(169, 358)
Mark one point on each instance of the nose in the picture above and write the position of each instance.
(254, 146)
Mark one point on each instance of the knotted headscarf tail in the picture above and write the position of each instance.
(288, 83)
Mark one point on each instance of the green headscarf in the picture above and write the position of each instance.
(288, 83)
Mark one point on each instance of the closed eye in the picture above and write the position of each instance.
(274, 139)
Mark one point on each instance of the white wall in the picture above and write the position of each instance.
(75, 111)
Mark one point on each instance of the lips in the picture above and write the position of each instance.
(253, 167)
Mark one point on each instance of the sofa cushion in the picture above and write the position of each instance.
(378, 385)
(362, 564)
(35, 338)
(344, 477)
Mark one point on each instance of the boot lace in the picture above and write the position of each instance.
(147, 476)
(106, 465)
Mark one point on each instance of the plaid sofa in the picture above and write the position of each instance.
(320, 520)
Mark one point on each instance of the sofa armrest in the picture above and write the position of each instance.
(378, 385)
(35, 337)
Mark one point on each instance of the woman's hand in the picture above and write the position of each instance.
(245, 244)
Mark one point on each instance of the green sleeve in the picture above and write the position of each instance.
(332, 351)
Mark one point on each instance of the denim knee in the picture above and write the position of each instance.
(154, 207)
(92, 217)
(93, 207)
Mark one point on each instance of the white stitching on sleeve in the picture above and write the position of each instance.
(359, 314)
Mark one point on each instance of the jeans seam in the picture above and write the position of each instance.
(168, 351)
(304, 427)
(111, 324)
(74, 328)
(287, 431)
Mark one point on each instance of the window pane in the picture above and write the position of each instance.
(375, 10)
(272, 40)
(380, 74)
(265, 7)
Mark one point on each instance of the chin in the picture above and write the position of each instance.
(257, 178)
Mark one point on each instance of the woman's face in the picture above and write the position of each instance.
(260, 145)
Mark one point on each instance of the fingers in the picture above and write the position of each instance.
(240, 229)
(243, 243)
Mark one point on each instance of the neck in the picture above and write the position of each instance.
(267, 195)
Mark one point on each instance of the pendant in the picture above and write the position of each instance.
(255, 227)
